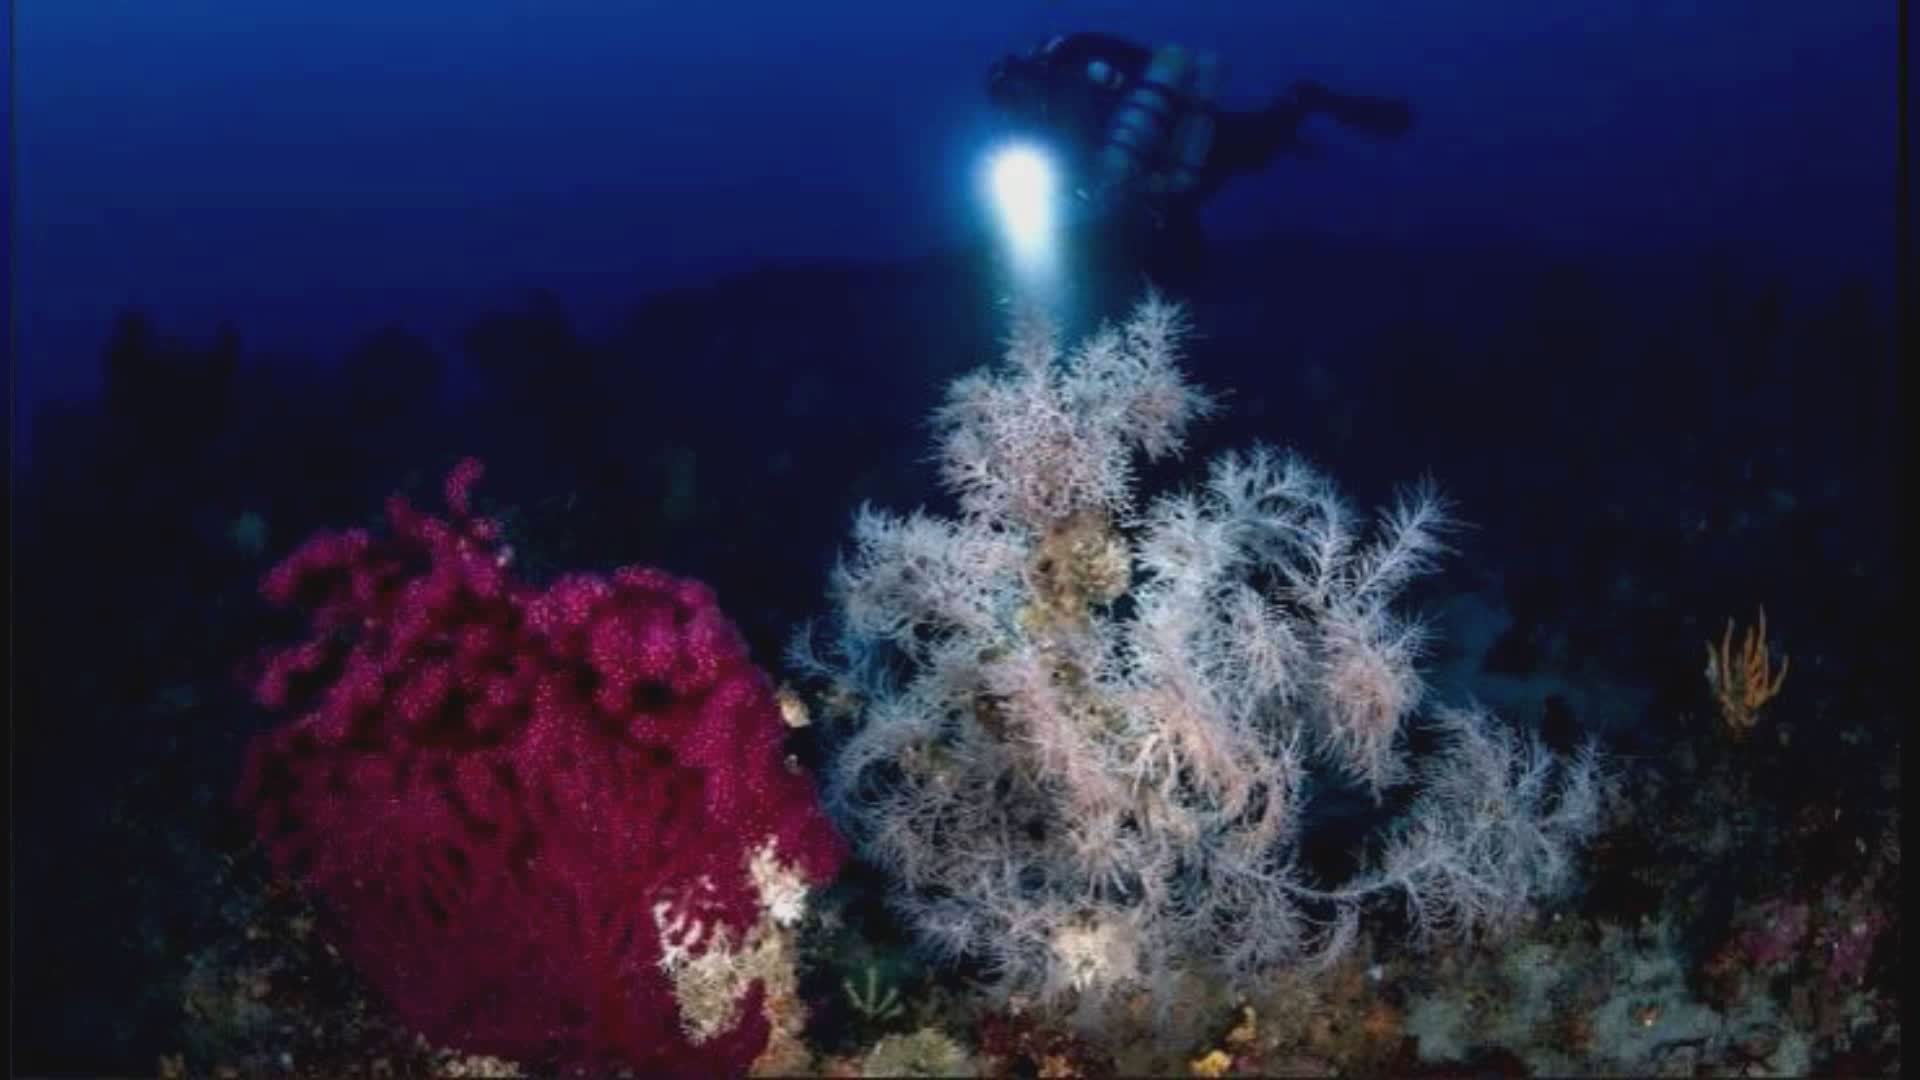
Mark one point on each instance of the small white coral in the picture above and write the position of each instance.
(712, 972)
(926, 1052)
(1096, 950)
(783, 892)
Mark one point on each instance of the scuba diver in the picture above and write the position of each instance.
(1142, 135)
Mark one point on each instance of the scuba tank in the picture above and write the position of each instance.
(1161, 131)
(1193, 136)
(1141, 123)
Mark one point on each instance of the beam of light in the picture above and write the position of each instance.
(1022, 183)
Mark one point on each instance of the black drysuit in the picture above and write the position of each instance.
(1071, 86)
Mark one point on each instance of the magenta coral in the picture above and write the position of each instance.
(503, 792)
(1853, 928)
(1775, 933)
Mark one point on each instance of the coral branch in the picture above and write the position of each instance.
(1082, 732)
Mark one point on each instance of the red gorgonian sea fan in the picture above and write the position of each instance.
(529, 809)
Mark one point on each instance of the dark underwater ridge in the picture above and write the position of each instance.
(835, 670)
